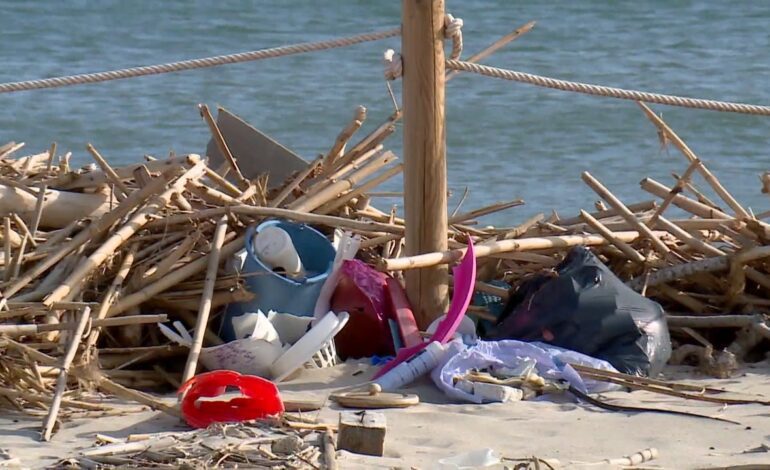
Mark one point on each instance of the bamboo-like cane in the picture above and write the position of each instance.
(122, 190)
(707, 175)
(260, 212)
(632, 254)
(295, 183)
(227, 187)
(335, 189)
(120, 236)
(222, 145)
(96, 228)
(110, 296)
(7, 263)
(91, 179)
(500, 206)
(367, 186)
(34, 329)
(613, 201)
(24, 229)
(683, 202)
(714, 321)
(680, 271)
(510, 37)
(682, 298)
(504, 246)
(205, 306)
(51, 156)
(168, 261)
(181, 202)
(173, 278)
(674, 191)
(370, 141)
(61, 381)
(10, 148)
(688, 239)
(599, 215)
(347, 133)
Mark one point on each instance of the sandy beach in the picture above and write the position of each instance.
(575, 434)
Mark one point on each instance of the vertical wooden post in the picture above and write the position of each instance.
(425, 184)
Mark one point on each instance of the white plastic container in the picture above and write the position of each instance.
(407, 372)
(274, 247)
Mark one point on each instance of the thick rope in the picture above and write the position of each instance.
(453, 30)
(394, 67)
(196, 63)
(598, 90)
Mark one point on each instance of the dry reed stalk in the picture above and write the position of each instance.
(173, 278)
(7, 266)
(120, 236)
(369, 142)
(96, 228)
(295, 183)
(682, 298)
(51, 156)
(707, 175)
(17, 185)
(632, 254)
(227, 187)
(109, 297)
(693, 242)
(205, 306)
(211, 195)
(510, 37)
(181, 202)
(122, 190)
(91, 179)
(504, 246)
(629, 216)
(10, 148)
(222, 145)
(329, 188)
(367, 186)
(342, 139)
(491, 209)
(168, 261)
(674, 191)
(261, 212)
(24, 229)
(607, 213)
(61, 380)
(34, 329)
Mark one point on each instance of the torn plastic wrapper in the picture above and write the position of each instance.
(551, 362)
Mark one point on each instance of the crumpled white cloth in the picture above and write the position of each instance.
(551, 363)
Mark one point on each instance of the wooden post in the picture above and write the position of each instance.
(425, 181)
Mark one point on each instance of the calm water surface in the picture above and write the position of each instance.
(505, 140)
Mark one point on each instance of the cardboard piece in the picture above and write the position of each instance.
(255, 152)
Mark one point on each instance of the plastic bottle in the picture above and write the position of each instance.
(274, 247)
(408, 371)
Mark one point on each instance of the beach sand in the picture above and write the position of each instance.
(420, 436)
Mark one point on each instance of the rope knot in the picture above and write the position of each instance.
(394, 67)
(453, 30)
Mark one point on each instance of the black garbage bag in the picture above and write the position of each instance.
(584, 307)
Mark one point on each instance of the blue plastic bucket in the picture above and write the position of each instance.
(274, 291)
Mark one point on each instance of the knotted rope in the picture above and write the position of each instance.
(611, 92)
(196, 63)
(394, 67)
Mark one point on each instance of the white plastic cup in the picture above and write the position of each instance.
(274, 247)
(409, 371)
